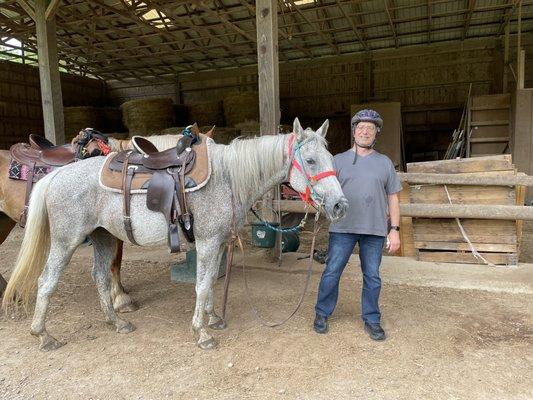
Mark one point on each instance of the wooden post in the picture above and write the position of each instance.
(52, 99)
(506, 61)
(268, 76)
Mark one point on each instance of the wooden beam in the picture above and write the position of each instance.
(51, 9)
(429, 20)
(507, 17)
(268, 77)
(355, 29)
(316, 29)
(385, 3)
(461, 179)
(500, 212)
(471, 6)
(52, 98)
(29, 9)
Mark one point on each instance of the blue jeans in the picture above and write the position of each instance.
(340, 249)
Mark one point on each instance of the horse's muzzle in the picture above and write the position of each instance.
(337, 210)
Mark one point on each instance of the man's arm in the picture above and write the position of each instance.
(394, 212)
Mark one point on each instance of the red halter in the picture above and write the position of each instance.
(311, 180)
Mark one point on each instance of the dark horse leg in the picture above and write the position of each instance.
(122, 301)
(6, 225)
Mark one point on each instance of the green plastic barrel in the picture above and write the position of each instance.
(263, 236)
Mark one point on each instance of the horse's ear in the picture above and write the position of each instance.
(194, 129)
(323, 129)
(297, 129)
(211, 132)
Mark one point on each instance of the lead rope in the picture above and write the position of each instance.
(235, 239)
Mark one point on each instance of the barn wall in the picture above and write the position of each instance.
(431, 82)
(20, 100)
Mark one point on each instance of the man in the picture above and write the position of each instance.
(371, 186)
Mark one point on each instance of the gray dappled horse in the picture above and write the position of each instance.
(69, 204)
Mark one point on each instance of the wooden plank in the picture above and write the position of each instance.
(523, 131)
(496, 178)
(407, 248)
(427, 194)
(493, 100)
(490, 140)
(467, 258)
(490, 123)
(482, 164)
(490, 247)
(478, 231)
(503, 212)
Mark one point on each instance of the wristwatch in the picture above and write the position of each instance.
(395, 227)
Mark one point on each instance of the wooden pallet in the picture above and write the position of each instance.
(440, 239)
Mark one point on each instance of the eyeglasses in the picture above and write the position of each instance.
(370, 129)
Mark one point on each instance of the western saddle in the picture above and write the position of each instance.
(31, 162)
(162, 174)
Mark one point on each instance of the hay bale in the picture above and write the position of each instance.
(249, 128)
(209, 113)
(241, 107)
(78, 118)
(147, 116)
(222, 135)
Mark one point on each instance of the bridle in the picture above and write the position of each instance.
(309, 196)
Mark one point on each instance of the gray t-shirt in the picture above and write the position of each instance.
(366, 186)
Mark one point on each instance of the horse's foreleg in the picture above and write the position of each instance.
(215, 322)
(6, 225)
(122, 301)
(206, 271)
(105, 247)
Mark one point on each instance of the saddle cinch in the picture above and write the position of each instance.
(31, 162)
(165, 177)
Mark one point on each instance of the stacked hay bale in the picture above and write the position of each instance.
(208, 113)
(241, 107)
(78, 118)
(249, 128)
(148, 116)
(222, 135)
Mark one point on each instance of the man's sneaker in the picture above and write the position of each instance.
(375, 331)
(321, 324)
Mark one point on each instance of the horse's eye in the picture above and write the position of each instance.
(310, 161)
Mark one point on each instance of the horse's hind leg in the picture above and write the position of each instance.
(122, 301)
(58, 258)
(105, 245)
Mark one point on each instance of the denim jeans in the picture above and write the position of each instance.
(340, 249)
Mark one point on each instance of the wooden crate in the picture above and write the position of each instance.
(440, 239)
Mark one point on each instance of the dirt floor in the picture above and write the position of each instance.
(454, 332)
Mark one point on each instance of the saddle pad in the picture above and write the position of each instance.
(194, 180)
(21, 171)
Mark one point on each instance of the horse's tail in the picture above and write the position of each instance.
(34, 250)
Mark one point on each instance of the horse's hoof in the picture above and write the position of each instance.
(126, 327)
(123, 303)
(208, 344)
(51, 344)
(126, 308)
(220, 324)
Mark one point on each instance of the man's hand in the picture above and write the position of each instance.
(393, 241)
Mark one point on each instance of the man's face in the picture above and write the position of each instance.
(365, 133)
